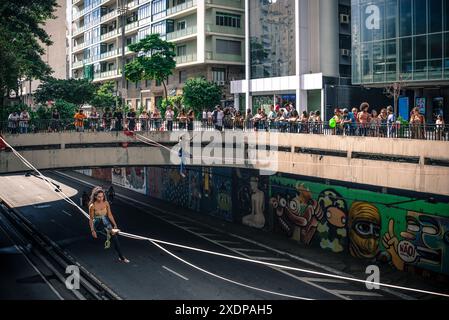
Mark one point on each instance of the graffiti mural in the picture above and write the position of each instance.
(131, 178)
(250, 205)
(332, 227)
(424, 243)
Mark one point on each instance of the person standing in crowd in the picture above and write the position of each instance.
(248, 117)
(13, 122)
(190, 120)
(210, 120)
(219, 119)
(182, 120)
(55, 120)
(204, 118)
(383, 119)
(143, 120)
(339, 122)
(169, 116)
(118, 119)
(80, 117)
(156, 118)
(374, 124)
(238, 121)
(364, 119)
(417, 123)
(131, 118)
(349, 122)
(94, 118)
(439, 126)
(107, 119)
(24, 122)
(391, 122)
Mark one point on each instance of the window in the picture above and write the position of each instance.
(158, 83)
(218, 75)
(138, 103)
(181, 50)
(158, 8)
(229, 47)
(182, 76)
(144, 11)
(147, 104)
(181, 25)
(159, 28)
(144, 32)
(228, 20)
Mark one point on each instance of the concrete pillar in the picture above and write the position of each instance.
(248, 104)
(329, 38)
(201, 31)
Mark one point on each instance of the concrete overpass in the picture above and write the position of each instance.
(415, 165)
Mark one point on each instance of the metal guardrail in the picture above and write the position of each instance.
(403, 131)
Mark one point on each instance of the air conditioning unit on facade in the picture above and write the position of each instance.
(344, 18)
(345, 52)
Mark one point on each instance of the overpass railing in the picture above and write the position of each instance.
(405, 131)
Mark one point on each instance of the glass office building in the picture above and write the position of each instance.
(400, 40)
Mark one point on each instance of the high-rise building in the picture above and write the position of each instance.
(208, 34)
(404, 43)
(56, 55)
(297, 51)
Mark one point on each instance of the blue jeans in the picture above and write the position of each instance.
(103, 226)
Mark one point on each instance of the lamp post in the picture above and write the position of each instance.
(122, 11)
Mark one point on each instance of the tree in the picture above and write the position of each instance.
(21, 36)
(200, 94)
(395, 90)
(75, 91)
(104, 96)
(155, 60)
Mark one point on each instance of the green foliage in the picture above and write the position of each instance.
(155, 60)
(104, 96)
(73, 91)
(175, 102)
(200, 94)
(21, 36)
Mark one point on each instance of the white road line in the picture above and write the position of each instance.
(175, 273)
(357, 293)
(67, 213)
(208, 234)
(323, 280)
(227, 242)
(270, 259)
(250, 250)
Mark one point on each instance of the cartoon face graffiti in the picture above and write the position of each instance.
(364, 230)
(425, 243)
(332, 228)
(224, 201)
(298, 216)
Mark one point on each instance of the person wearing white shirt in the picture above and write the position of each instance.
(169, 115)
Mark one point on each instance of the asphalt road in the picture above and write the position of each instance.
(154, 274)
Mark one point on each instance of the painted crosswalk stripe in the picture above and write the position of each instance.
(175, 273)
(357, 293)
(323, 280)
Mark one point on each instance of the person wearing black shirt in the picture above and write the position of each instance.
(107, 119)
(131, 116)
(55, 120)
(118, 117)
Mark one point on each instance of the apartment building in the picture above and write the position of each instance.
(209, 36)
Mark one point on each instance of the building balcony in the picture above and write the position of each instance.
(78, 47)
(181, 7)
(77, 64)
(213, 56)
(100, 76)
(79, 30)
(181, 33)
(131, 26)
(109, 34)
(213, 28)
(108, 16)
(239, 4)
(186, 59)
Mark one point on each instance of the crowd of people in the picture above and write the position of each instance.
(362, 121)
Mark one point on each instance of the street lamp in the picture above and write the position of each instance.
(122, 11)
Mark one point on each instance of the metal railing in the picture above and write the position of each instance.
(407, 131)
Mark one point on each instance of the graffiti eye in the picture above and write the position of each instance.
(275, 204)
(293, 205)
(283, 203)
(430, 230)
(343, 220)
(363, 228)
(328, 214)
(413, 228)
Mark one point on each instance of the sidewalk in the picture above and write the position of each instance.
(342, 263)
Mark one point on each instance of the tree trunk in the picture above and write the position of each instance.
(165, 89)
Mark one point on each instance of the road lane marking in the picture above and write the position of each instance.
(357, 293)
(175, 273)
(227, 242)
(323, 280)
(208, 234)
(250, 250)
(67, 213)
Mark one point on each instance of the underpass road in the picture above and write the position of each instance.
(152, 273)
